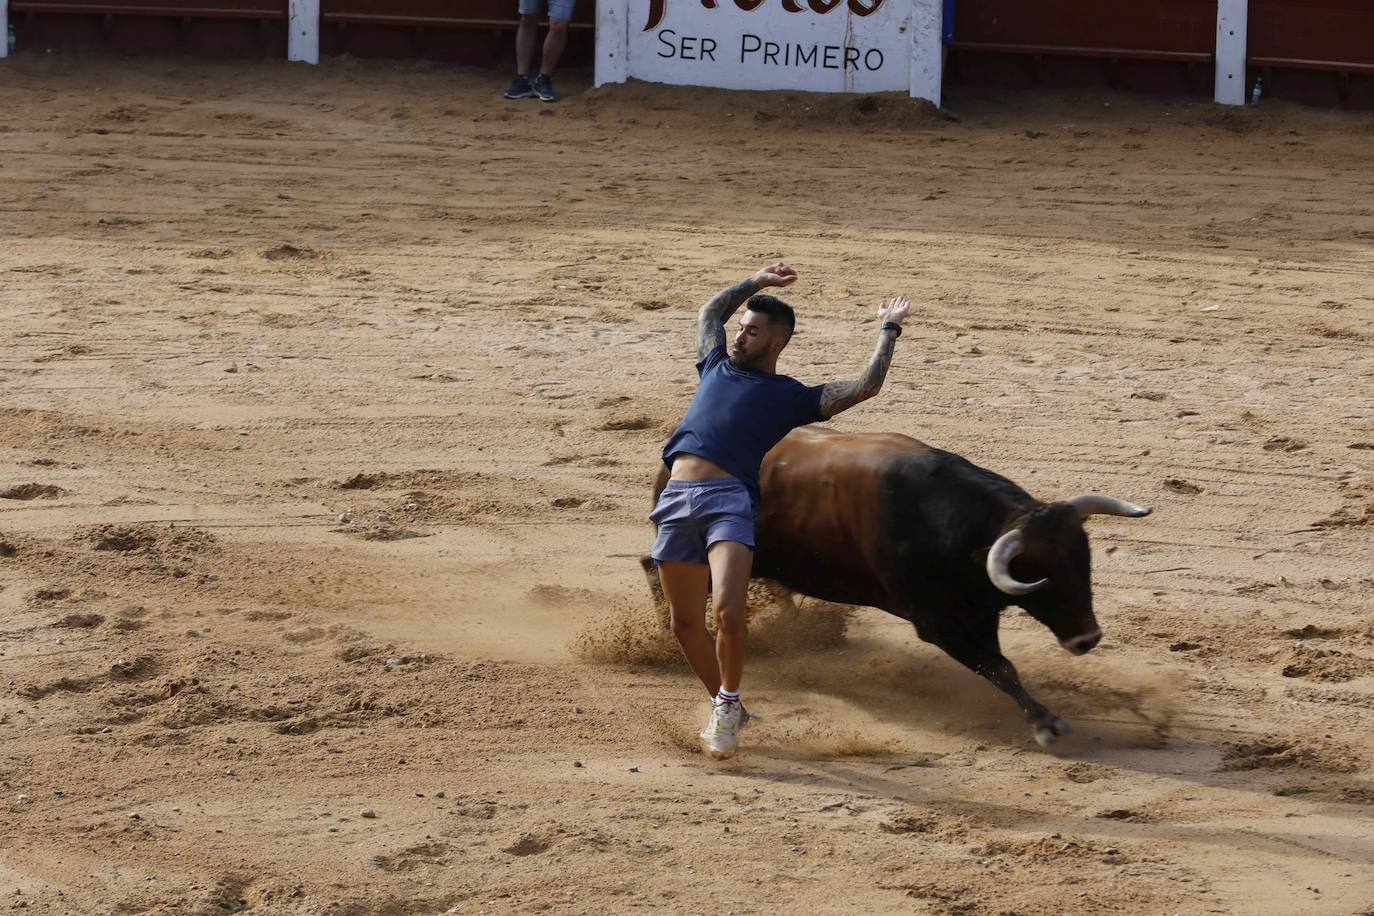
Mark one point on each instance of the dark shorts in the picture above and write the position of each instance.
(691, 515)
(558, 9)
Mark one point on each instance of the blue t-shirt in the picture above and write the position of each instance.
(738, 415)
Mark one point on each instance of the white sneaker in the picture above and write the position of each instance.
(721, 735)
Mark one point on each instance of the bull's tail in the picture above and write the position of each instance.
(650, 571)
(656, 592)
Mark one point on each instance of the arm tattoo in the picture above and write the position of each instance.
(711, 320)
(838, 396)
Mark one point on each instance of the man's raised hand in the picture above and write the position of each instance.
(779, 274)
(894, 309)
(713, 315)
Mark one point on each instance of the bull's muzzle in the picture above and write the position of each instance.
(1082, 644)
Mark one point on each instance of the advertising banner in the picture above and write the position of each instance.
(808, 45)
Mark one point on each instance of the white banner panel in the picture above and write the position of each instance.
(811, 45)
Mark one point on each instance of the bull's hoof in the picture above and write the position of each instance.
(1048, 731)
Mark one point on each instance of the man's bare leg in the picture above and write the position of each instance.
(684, 584)
(526, 39)
(731, 564)
(554, 44)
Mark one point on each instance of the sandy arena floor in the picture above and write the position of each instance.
(330, 401)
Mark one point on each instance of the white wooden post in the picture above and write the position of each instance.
(927, 49)
(1232, 18)
(303, 31)
(4, 29)
(612, 41)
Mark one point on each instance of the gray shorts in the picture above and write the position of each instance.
(558, 9)
(691, 515)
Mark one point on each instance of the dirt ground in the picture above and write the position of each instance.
(330, 403)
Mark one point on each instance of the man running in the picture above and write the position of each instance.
(705, 515)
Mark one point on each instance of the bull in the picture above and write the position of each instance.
(886, 521)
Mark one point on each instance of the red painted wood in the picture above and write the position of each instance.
(1165, 46)
(208, 9)
(1312, 34)
(470, 32)
(437, 12)
(1161, 25)
(991, 47)
(204, 28)
(465, 31)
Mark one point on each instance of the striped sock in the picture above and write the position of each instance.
(726, 696)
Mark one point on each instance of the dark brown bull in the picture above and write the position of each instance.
(889, 522)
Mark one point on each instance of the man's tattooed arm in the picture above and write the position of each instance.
(711, 320)
(838, 396)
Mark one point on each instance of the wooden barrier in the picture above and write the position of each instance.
(211, 28)
(1316, 51)
(296, 29)
(1169, 45)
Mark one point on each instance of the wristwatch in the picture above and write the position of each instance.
(892, 326)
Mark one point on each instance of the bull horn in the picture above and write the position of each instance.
(999, 565)
(1097, 504)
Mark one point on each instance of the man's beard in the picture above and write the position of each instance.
(741, 360)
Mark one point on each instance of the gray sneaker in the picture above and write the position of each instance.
(721, 735)
(543, 87)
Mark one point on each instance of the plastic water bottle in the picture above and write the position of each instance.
(9, 39)
(1257, 91)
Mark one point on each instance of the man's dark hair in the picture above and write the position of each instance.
(780, 314)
